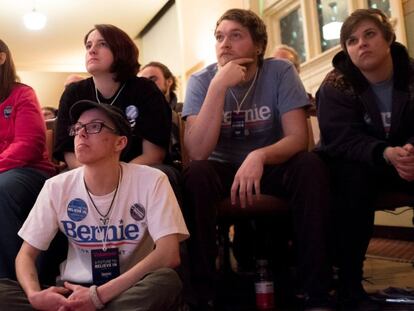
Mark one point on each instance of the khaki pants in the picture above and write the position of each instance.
(157, 291)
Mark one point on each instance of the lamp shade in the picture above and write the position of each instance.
(34, 20)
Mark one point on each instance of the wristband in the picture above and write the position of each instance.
(93, 294)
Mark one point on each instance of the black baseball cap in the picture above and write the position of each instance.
(116, 115)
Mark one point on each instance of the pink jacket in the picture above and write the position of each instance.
(23, 132)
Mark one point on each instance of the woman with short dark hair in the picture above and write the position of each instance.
(112, 60)
(366, 113)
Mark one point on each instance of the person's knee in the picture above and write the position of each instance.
(12, 296)
(311, 161)
(309, 166)
(168, 286)
(171, 281)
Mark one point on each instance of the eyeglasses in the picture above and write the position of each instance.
(94, 127)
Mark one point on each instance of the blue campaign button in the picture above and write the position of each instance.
(77, 209)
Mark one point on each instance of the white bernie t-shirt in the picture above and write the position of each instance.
(145, 209)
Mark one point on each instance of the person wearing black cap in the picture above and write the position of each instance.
(123, 242)
(111, 58)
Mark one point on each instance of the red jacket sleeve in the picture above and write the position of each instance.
(25, 141)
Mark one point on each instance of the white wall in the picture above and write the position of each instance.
(162, 43)
(48, 86)
(184, 37)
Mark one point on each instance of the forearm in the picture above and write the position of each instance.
(71, 160)
(26, 273)
(147, 159)
(151, 154)
(295, 139)
(203, 130)
(283, 150)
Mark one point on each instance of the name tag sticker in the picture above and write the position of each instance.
(105, 265)
(238, 123)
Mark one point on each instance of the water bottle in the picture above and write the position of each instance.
(264, 286)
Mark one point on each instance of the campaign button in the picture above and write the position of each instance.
(77, 209)
(137, 212)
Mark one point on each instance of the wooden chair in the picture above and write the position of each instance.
(50, 136)
(50, 143)
(227, 214)
(272, 206)
(264, 206)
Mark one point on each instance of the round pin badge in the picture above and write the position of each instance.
(137, 212)
(7, 111)
(77, 209)
(132, 114)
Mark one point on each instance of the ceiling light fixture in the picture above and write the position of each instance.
(34, 20)
(332, 30)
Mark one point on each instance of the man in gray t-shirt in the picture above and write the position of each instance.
(246, 134)
(272, 92)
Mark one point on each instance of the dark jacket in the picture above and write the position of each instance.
(349, 118)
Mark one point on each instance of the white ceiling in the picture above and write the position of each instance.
(59, 46)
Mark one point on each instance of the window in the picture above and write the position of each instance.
(292, 22)
(291, 31)
(383, 5)
(331, 14)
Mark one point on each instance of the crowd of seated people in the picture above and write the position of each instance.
(246, 135)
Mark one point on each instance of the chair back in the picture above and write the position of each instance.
(50, 136)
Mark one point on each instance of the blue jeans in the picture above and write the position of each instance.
(19, 189)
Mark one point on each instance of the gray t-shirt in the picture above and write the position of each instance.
(383, 93)
(277, 90)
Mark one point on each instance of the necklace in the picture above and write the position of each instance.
(245, 95)
(104, 219)
(117, 94)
